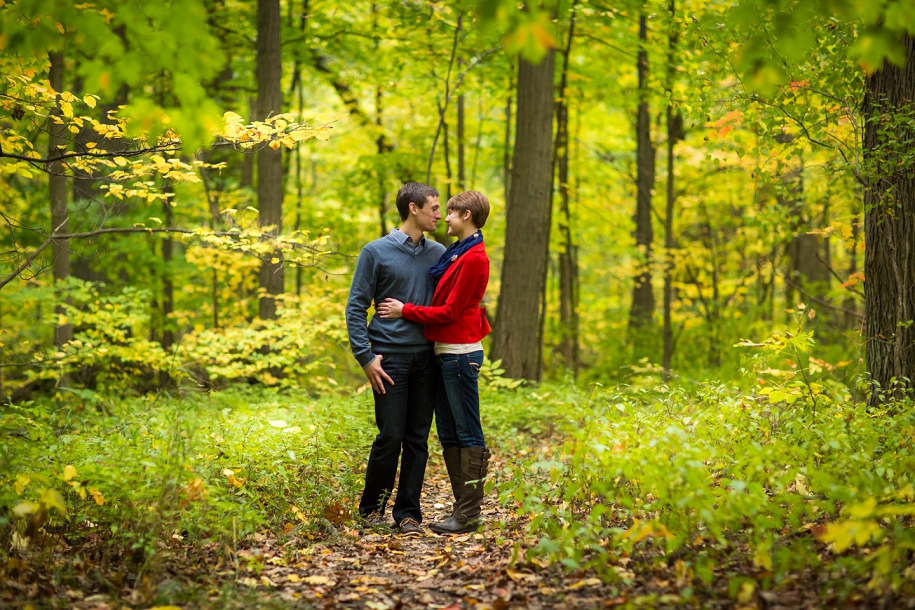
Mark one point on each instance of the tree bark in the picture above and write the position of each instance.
(168, 287)
(57, 191)
(247, 160)
(568, 264)
(642, 310)
(889, 227)
(527, 232)
(507, 152)
(269, 161)
(461, 182)
(674, 134)
(850, 305)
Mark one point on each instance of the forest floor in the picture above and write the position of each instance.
(280, 534)
(382, 570)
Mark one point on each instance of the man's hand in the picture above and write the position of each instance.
(391, 308)
(377, 375)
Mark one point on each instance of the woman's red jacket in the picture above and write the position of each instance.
(455, 315)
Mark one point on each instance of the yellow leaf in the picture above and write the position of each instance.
(275, 144)
(322, 135)
(69, 472)
(231, 117)
(52, 499)
(763, 558)
(25, 508)
(21, 482)
(293, 578)
(842, 535)
(97, 496)
(747, 589)
(121, 161)
(317, 580)
(274, 260)
(863, 509)
(267, 582)
(89, 100)
(588, 582)
(520, 576)
(799, 484)
(90, 145)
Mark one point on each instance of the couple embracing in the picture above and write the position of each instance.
(422, 355)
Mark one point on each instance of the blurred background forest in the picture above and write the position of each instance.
(718, 400)
(705, 171)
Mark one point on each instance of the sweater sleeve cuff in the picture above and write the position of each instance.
(409, 311)
(365, 358)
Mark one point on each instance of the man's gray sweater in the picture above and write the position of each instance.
(390, 267)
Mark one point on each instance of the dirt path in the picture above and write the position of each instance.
(381, 571)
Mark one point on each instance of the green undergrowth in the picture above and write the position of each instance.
(134, 481)
(756, 489)
(139, 473)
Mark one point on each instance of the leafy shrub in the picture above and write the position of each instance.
(669, 474)
(112, 351)
(149, 472)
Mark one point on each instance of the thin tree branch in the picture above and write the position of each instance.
(74, 154)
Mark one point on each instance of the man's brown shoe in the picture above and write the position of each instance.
(373, 520)
(409, 527)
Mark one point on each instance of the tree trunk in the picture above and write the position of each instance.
(507, 152)
(247, 160)
(380, 141)
(568, 265)
(674, 134)
(461, 183)
(642, 310)
(382, 191)
(168, 288)
(446, 148)
(850, 305)
(57, 191)
(527, 230)
(269, 161)
(889, 227)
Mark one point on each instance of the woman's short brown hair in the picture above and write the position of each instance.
(474, 202)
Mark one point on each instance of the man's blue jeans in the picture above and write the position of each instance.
(460, 373)
(403, 415)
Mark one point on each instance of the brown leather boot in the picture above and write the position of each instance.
(466, 516)
(452, 457)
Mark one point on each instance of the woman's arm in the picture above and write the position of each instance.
(470, 283)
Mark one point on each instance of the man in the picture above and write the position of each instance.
(396, 358)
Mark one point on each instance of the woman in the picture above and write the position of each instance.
(457, 324)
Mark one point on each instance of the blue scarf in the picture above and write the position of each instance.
(454, 252)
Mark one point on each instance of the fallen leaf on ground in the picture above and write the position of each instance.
(587, 582)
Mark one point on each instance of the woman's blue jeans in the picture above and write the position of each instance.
(458, 417)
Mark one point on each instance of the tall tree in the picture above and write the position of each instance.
(889, 223)
(517, 336)
(674, 134)
(269, 161)
(461, 170)
(642, 308)
(568, 264)
(57, 192)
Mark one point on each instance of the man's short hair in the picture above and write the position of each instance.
(413, 192)
(474, 202)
